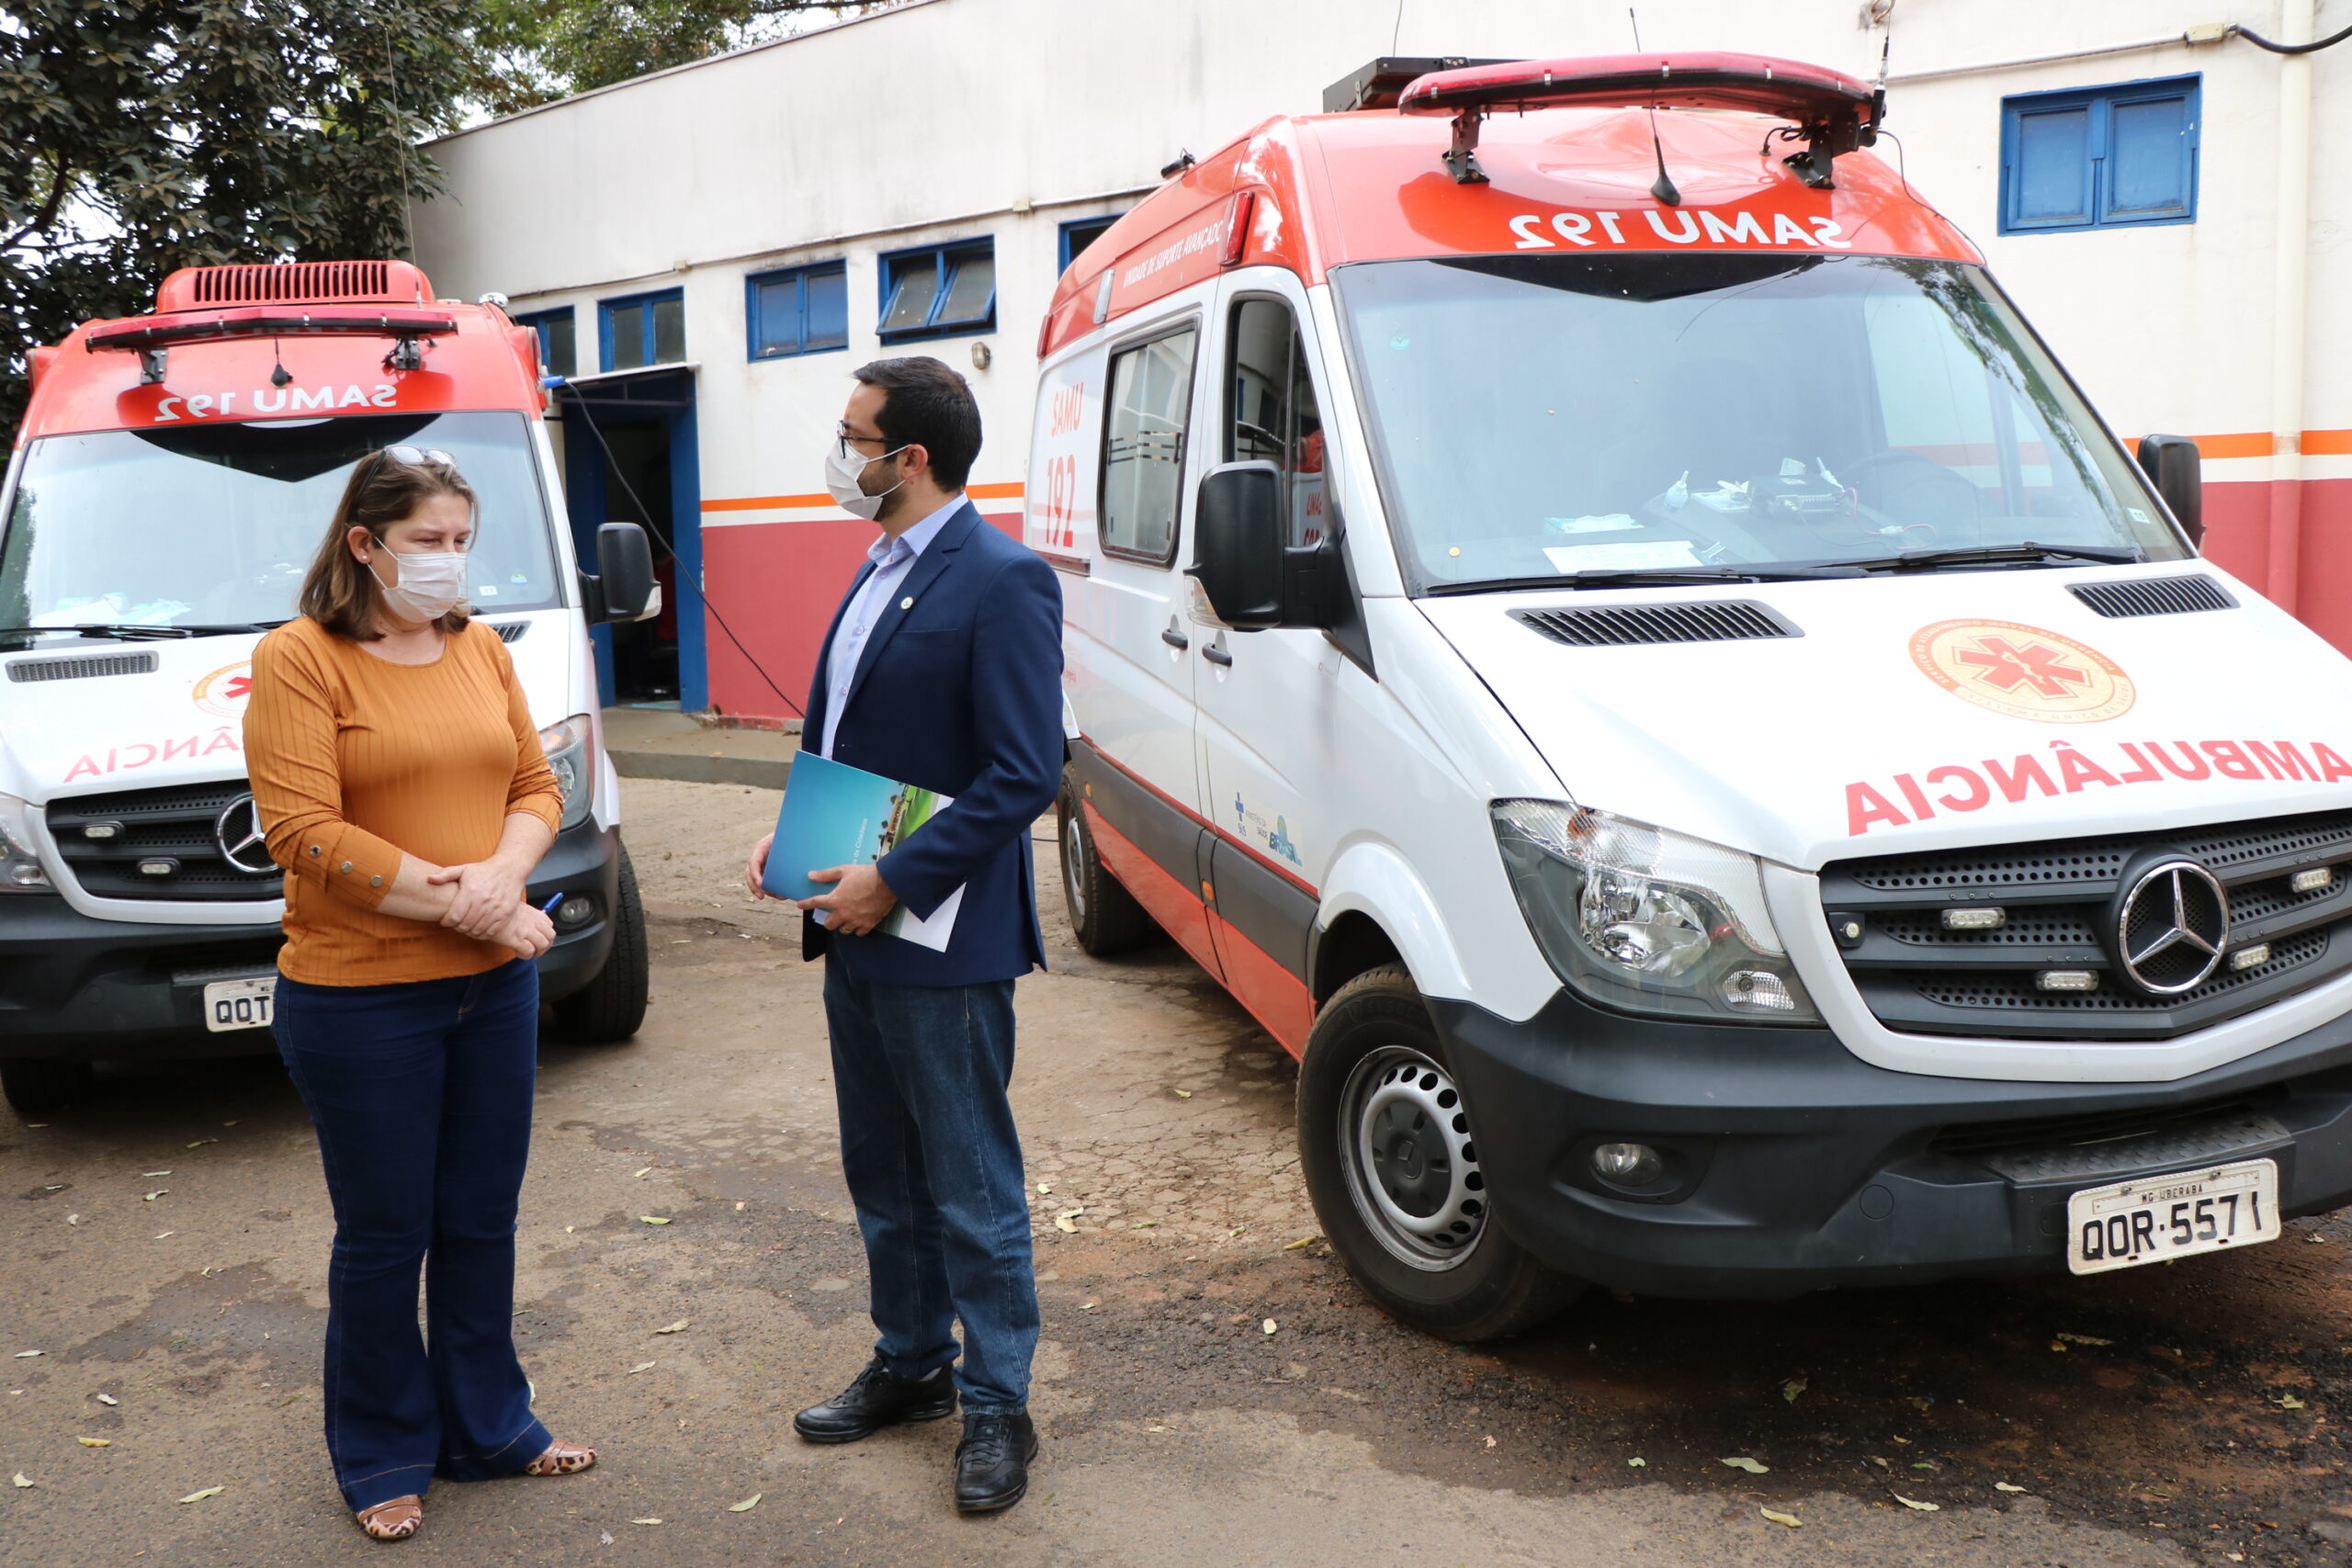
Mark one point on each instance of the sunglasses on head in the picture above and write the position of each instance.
(413, 457)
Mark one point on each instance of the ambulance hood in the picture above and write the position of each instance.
(182, 722)
(1925, 712)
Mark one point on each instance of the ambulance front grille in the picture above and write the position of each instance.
(2058, 901)
(180, 826)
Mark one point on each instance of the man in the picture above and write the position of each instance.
(942, 669)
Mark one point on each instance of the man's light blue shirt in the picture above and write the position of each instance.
(892, 559)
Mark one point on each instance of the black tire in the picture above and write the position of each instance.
(1412, 1225)
(1105, 915)
(609, 1009)
(34, 1086)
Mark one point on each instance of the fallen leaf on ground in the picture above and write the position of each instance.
(645, 1521)
(151, 1197)
(677, 1328)
(1184, 1094)
(1143, 1224)
(1638, 1462)
(1045, 1186)
(1923, 1508)
(2315, 1238)
(161, 1235)
(24, 1480)
(155, 1173)
(1086, 1306)
(1877, 1462)
(2004, 1486)
(200, 1496)
(22, 1354)
(1750, 1465)
(1922, 1464)
(1794, 1387)
(95, 1443)
(746, 1505)
(107, 1399)
(1067, 1221)
(1270, 1326)
(2058, 1345)
(647, 1171)
(2288, 1402)
(2082, 1339)
(604, 1537)
(653, 1219)
(1302, 1241)
(640, 1366)
(1490, 1442)
(72, 1218)
(1779, 1517)
(201, 1142)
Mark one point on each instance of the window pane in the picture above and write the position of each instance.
(1078, 236)
(557, 347)
(777, 327)
(669, 331)
(1262, 332)
(828, 308)
(1305, 435)
(2149, 172)
(1143, 455)
(627, 324)
(2053, 168)
(971, 285)
(916, 284)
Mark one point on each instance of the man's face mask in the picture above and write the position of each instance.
(844, 478)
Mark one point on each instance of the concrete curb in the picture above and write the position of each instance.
(688, 767)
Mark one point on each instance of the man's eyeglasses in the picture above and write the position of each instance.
(846, 441)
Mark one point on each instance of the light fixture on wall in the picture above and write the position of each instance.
(980, 356)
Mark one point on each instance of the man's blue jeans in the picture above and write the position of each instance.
(933, 1165)
(421, 1094)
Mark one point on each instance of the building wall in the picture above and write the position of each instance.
(950, 119)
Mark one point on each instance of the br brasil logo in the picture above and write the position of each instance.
(2023, 671)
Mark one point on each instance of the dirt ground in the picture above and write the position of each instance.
(167, 1245)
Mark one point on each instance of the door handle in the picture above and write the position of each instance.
(1215, 654)
(1175, 639)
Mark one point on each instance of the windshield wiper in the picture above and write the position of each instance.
(129, 632)
(2027, 553)
(1649, 577)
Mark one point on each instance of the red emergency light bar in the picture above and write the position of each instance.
(1832, 112)
(258, 321)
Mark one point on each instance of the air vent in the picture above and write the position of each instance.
(81, 668)
(294, 283)
(1618, 625)
(509, 631)
(2153, 596)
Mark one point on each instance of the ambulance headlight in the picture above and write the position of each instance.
(1645, 920)
(573, 759)
(20, 869)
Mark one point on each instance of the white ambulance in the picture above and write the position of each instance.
(171, 481)
(1594, 617)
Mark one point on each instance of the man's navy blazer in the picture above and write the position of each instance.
(958, 689)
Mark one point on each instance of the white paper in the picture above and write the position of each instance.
(1622, 558)
(934, 933)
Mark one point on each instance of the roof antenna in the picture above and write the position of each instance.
(279, 374)
(1664, 188)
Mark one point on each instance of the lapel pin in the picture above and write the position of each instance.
(906, 603)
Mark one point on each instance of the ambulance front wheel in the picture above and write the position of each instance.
(1103, 915)
(1391, 1161)
(609, 1009)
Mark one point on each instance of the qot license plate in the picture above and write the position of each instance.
(2158, 1218)
(239, 1004)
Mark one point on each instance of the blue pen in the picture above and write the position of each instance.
(548, 908)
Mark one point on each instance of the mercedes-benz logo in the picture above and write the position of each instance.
(238, 832)
(2172, 926)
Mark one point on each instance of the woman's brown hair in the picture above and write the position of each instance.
(341, 593)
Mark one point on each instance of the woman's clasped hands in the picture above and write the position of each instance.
(487, 905)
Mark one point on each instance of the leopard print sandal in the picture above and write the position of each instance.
(561, 1459)
(395, 1520)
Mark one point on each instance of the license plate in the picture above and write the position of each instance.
(2158, 1218)
(239, 1004)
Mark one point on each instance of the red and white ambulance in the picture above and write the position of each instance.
(1592, 615)
(170, 483)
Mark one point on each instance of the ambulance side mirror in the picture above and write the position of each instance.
(624, 587)
(2174, 465)
(1237, 533)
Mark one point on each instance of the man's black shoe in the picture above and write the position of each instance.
(992, 1462)
(878, 1398)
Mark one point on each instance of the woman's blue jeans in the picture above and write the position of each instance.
(421, 1094)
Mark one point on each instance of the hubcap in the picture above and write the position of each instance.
(1411, 1167)
(1073, 868)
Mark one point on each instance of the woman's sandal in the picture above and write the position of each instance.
(395, 1520)
(561, 1459)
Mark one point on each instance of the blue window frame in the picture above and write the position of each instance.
(2115, 157)
(559, 349)
(641, 329)
(1080, 233)
(939, 291)
(797, 309)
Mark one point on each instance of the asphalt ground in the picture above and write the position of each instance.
(164, 1245)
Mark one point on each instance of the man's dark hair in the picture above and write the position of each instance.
(926, 404)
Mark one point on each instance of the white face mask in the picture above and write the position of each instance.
(843, 473)
(431, 583)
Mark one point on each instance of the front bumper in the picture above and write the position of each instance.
(1793, 1166)
(77, 988)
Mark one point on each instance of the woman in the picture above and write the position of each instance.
(401, 785)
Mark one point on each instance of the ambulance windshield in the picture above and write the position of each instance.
(1545, 415)
(215, 524)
